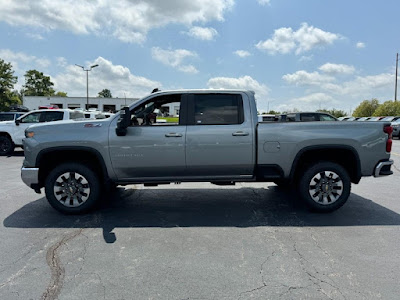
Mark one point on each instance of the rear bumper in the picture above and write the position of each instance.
(383, 168)
(30, 176)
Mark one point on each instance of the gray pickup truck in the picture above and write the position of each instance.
(201, 135)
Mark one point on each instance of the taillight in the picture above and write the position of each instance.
(389, 131)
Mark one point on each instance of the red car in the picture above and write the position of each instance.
(51, 106)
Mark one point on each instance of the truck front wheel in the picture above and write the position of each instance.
(72, 188)
(325, 186)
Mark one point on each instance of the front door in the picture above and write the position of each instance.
(154, 146)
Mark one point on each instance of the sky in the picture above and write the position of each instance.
(303, 55)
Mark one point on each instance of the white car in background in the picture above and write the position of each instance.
(12, 132)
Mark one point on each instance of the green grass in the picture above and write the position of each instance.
(169, 119)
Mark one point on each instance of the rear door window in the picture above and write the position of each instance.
(6, 117)
(308, 117)
(50, 116)
(217, 109)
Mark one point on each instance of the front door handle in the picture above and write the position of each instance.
(173, 134)
(240, 133)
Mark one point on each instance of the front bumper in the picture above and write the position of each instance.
(30, 176)
(383, 168)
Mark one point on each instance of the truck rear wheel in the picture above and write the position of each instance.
(6, 146)
(72, 188)
(325, 186)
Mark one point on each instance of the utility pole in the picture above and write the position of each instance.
(395, 86)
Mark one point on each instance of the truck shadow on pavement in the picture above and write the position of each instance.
(222, 207)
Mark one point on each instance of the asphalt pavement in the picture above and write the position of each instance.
(201, 241)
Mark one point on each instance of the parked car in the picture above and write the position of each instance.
(372, 119)
(12, 132)
(20, 108)
(396, 128)
(364, 119)
(266, 118)
(390, 118)
(352, 119)
(51, 106)
(306, 117)
(217, 139)
(10, 115)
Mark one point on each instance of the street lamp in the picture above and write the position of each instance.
(395, 85)
(87, 81)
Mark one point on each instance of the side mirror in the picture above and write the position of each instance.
(17, 122)
(123, 122)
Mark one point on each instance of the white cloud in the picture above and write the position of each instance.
(35, 36)
(116, 78)
(21, 61)
(61, 62)
(285, 40)
(306, 58)
(175, 58)
(360, 45)
(304, 78)
(242, 53)
(264, 2)
(315, 98)
(244, 82)
(337, 68)
(127, 20)
(203, 33)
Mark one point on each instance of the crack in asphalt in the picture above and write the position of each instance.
(57, 269)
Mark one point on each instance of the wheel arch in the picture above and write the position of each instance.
(346, 156)
(6, 134)
(49, 158)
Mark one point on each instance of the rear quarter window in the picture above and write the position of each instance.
(76, 115)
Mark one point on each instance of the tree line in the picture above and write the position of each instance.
(36, 84)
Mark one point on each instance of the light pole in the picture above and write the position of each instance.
(395, 86)
(87, 81)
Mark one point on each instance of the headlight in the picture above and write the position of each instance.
(395, 125)
(29, 134)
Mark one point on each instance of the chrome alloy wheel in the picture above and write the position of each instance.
(325, 187)
(71, 189)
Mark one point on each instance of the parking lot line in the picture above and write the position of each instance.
(396, 154)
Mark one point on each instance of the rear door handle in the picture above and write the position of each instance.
(240, 133)
(173, 134)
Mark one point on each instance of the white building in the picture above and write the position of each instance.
(102, 104)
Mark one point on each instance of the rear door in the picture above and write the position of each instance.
(219, 136)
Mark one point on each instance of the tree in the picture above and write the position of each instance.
(334, 112)
(105, 93)
(61, 94)
(37, 84)
(388, 108)
(7, 81)
(366, 108)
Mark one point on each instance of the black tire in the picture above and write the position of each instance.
(324, 186)
(6, 146)
(72, 188)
